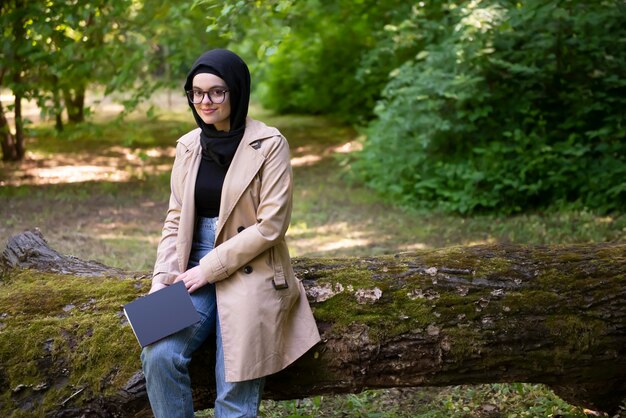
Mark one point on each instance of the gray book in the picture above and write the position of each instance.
(162, 313)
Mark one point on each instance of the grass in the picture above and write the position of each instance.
(99, 191)
(494, 400)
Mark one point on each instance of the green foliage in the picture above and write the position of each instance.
(54, 51)
(66, 45)
(487, 105)
(312, 56)
(174, 35)
(317, 66)
(519, 106)
(515, 400)
(481, 105)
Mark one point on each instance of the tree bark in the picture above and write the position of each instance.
(7, 140)
(58, 109)
(462, 315)
(18, 144)
(75, 103)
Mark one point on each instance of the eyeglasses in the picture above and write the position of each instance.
(216, 95)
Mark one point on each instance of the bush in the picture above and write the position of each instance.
(508, 107)
(323, 66)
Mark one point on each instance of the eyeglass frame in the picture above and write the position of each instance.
(207, 94)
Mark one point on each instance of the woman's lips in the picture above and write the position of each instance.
(208, 111)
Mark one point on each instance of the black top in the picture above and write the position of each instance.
(209, 188)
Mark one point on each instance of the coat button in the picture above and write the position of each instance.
(247, 269)
(241, 228)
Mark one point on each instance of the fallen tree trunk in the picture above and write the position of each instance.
(481, 314)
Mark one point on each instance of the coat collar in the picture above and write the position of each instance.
(255, 130)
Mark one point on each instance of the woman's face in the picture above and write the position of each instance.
(214, 114)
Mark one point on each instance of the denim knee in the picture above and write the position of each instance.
(157, 355)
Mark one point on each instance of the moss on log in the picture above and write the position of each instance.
(553, 315)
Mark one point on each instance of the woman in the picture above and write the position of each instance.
(224, 237)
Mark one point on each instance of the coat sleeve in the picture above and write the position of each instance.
(273, 217)
(166, 266)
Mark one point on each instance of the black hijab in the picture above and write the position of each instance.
(220, 146)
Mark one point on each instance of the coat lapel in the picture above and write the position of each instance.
(188, 211)
(245, 165)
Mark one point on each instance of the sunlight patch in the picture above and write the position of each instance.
(305, 160)
(349, 147)
(490, 240)
(77, 173)
(416, 246)
(345, 243)
(152, 240)
(38, 169)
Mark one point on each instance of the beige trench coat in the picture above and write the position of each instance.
(265, 319)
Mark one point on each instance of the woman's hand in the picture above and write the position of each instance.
(157, 286)
(193, 279)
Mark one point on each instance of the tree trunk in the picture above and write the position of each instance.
(58, 109)
(12, 145)
(18, 143)
(75, 103)
(9, 149)
(553, 315)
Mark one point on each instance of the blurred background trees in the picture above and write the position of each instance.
(54, 51)
(466, 106)
(507, 107)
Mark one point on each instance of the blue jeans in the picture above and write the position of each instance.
(165, 363)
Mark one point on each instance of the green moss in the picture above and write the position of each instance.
(411, 301)
(56, 322)
(613, 252)
(350, 275)
(530, 301)
(571, 256)
(464, 258)
(342, 310)
(466, 342)
(575, 333)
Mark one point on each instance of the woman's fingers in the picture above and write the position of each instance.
(192, 278)
(157, 286)
(180, 277)
(193, 287)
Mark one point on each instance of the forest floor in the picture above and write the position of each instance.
(100, 190)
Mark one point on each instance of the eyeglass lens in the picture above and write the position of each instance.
(216, 96)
